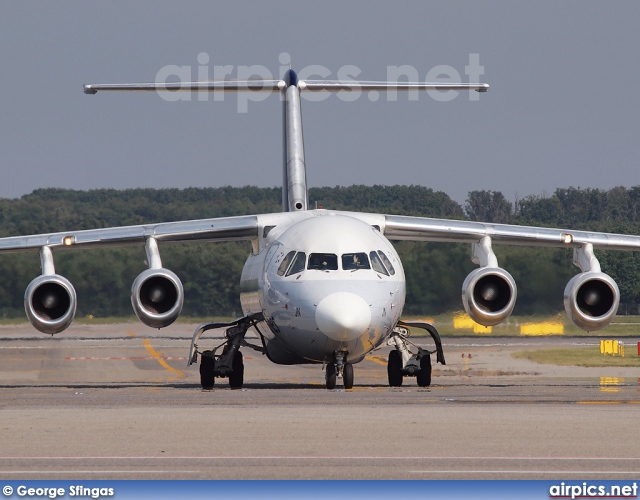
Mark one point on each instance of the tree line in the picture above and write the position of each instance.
(211, 272)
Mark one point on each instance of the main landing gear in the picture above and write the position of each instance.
(339, 369)
(229, 364)
(209, 371)
(403, 362)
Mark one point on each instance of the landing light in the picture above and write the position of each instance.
(69, 240)
(567, 238)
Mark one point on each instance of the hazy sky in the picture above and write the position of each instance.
(562, 110)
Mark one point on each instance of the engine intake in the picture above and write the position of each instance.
(50, 303)
(489, 295)
(157, 297)
(591, 300)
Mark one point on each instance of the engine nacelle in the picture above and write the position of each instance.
(50, 303)
(157, 297)
(489, 295)
(591, 300)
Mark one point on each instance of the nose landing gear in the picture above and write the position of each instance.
(339, 369)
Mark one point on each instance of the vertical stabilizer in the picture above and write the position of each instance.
(294, 185)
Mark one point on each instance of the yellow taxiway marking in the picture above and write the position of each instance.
(377, 360)
(158, 357)
(601, 402)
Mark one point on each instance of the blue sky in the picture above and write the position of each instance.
(562, 108)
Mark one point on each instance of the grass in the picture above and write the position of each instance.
(622, 326)
(584, 356)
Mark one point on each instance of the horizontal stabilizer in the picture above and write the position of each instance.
(353, 85)
(213, 86)
(258, 85)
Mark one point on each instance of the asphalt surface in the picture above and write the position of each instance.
(118, 402)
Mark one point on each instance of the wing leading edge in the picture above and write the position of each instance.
(444, 230)
(218, 229)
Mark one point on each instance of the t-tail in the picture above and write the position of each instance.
(294, 179)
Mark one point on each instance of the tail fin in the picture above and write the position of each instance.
(294, 182)
(294, 185)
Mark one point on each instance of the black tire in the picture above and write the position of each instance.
(347, 375)
(424, 375)
(236, 377)
(207, 368)
(330, 376)
(394, 369)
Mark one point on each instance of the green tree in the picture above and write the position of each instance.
(488, 206)
(211, 272)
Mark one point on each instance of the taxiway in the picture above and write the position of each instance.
(118, 402)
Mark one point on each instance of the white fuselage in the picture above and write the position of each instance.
(325, 282)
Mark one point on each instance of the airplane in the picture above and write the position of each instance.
(320, 286)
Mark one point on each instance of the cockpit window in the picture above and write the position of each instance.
(387, 262)
(282, 268)
(298, 264)
(377, 264)
(323, 261)
(355, 261)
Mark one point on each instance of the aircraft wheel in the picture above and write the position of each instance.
(207, 367)
(394, 369)
(424, 375)
(330, 376)
(236, 377)
(347, 375)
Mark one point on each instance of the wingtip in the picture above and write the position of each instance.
(89, 90)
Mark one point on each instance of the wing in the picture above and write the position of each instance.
(426, 229)
(221, 229)
(157, 294)
(489, 293)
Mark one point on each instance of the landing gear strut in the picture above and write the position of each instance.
(403, 362)
(331, 376)
(339, 369)
(230, 363)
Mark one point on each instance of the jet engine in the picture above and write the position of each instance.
(157, 297)
(591, 300)
(50, 303)
(489, 295)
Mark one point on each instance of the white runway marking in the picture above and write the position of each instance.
(80, 471)
(319, 457)
(545, 472)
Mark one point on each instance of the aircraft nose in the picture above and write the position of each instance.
(343, 316)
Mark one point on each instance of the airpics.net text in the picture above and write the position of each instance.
(205, 71)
